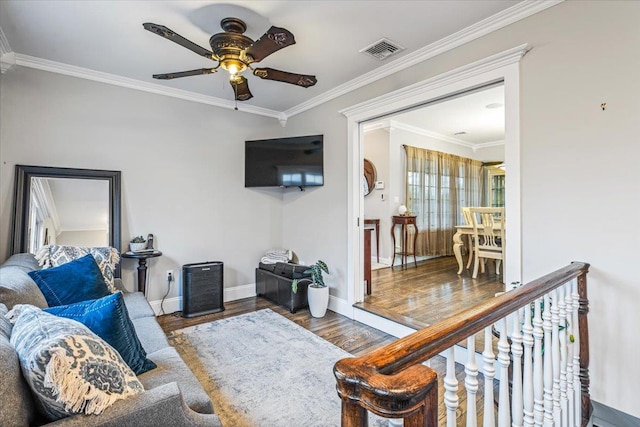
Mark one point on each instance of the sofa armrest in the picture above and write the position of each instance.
(160, 406)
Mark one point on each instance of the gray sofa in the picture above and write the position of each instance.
(172, 397)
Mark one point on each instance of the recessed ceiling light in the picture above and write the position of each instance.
(494, 105)
(460, 133)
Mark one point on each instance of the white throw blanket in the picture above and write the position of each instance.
(276, 255)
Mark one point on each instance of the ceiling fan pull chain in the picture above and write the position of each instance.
(235, 90)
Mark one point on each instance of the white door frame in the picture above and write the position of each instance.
(504, 67)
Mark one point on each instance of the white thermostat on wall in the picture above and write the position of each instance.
(379, 185)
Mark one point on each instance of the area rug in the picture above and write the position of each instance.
(261, 369)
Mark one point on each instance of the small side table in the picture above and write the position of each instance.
(376, 223)
(403, 222)
(367, 258)
(142, 266)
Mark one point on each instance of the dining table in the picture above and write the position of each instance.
(466, 230)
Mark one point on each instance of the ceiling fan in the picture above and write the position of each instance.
(235, 52)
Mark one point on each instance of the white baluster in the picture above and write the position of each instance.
(504, 417)
(516, 384)
(538, 390)
(451, 389)
(471, 382)
(555, 357)
(547, 365)
(527, 374)
(489, 372)
(562, 314)
(569, 317)
(577, 386)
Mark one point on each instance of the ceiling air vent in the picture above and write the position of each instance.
(382, 49)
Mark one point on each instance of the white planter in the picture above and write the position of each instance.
(137, 246)
(318, 300)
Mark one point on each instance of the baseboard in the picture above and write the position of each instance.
(605, 416)
(171, 305)
(239, 292)
(380, 323)
(340, 306)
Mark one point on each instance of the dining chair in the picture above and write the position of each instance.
(466, 215)
(488, 237)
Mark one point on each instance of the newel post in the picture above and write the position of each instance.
(583, 311)
(411, 393)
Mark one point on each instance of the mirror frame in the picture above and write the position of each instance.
(23, 191)
(370, 174)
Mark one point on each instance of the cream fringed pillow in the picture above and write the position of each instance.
(106, 257)
(69, 368)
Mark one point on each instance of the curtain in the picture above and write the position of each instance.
(438, 185)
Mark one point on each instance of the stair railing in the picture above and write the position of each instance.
(547, 348)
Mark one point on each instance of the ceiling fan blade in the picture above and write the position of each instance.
(271, 41)
(165, 32)
(283, 76)
(241, 89)
(200, 71)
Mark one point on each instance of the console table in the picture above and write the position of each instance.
(375, 222)
(367, 258)
(403, 222)
(142, 266)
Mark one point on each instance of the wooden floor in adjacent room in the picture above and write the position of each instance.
(421, 296)
(414, 296)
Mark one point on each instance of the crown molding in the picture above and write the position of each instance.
(499, 20)
(112, 79)
(7, 57)
(488, 144)
(390, 125)
(430, 134)
(373, 126)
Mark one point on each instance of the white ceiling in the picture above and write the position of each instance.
(479, 114)
(81, 204)
(107, 37)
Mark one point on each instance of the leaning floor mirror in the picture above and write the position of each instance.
(65, 206)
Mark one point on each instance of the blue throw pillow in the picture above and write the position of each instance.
(75, 281)
(108, 318)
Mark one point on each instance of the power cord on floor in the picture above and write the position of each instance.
(169, 280)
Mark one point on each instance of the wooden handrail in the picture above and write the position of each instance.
(391, 381)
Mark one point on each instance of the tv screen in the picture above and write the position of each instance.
(284, 162)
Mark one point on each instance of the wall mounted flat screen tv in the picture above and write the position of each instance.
(284, 162)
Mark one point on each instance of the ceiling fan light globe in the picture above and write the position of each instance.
(233, 69)
(233, 66)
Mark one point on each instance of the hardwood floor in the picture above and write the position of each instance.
(351, 336)
(422, 296)
(414, 296)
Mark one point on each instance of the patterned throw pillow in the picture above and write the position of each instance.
(109, 319)
(106, 257)
(70, 369)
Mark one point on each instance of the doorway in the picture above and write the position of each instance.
(502, 67)
(470, 125)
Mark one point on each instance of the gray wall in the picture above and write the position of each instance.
(579, 173)
(182, 168)
(377, 203)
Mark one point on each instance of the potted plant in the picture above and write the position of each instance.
(317, 292)
(137, 244)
